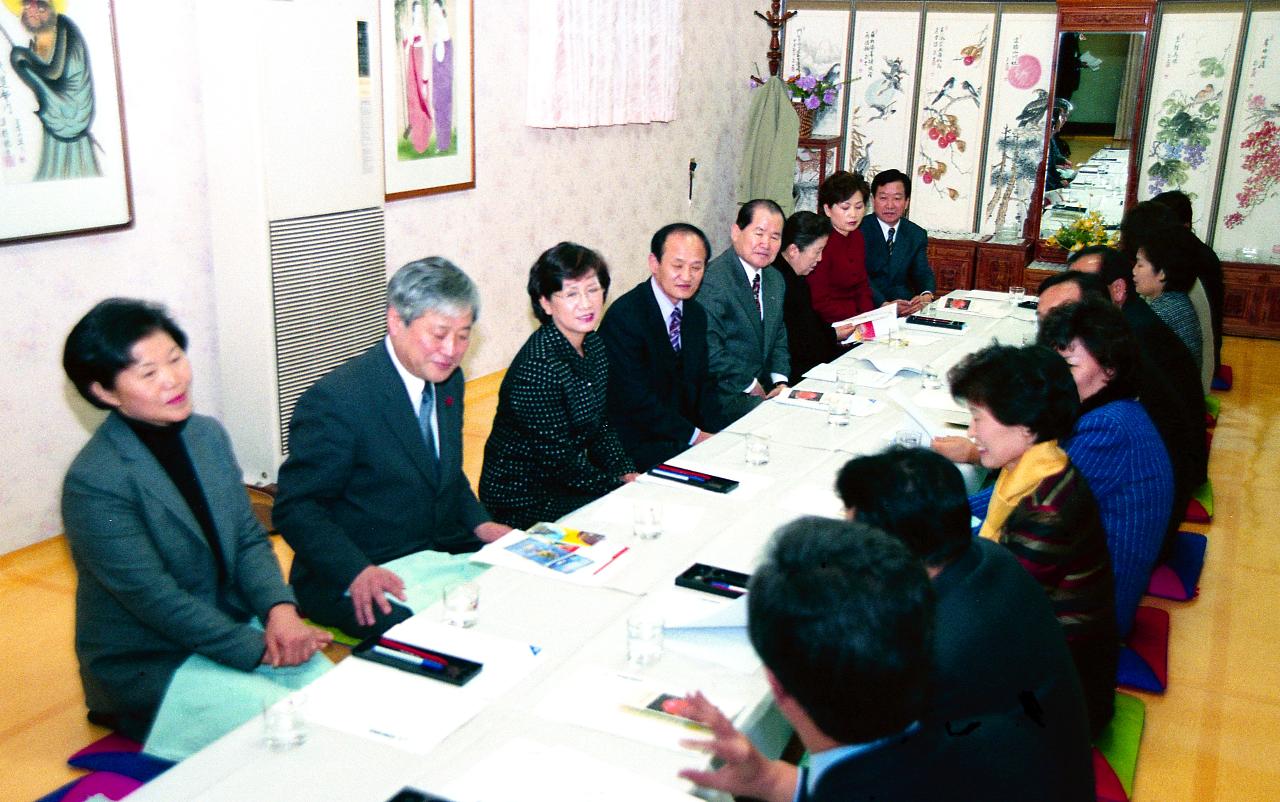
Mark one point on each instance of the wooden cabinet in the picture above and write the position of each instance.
(1000, 265)
(1251, 299)
(1037, 272)
(952, 262)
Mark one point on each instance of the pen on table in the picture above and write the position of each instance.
(679, 477)
(727, 586)
(621, 552)
(422, 662)
(414, 650)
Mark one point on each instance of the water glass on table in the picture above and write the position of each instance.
(838, 409)
(644, 638)
(930, 379)
(647, 520)
(283, 724)
(1017, 295)
(461, 604)
(757, 449)
(846, 381)
(908, 438)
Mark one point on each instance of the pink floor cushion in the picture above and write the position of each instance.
(1223, 378)
(120, 755)
(1179, 578)
(1200, 508)
(105, 783)
(1144, 657)
(1118, 745)
(1106, 784)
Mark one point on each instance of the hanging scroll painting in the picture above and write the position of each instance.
(1189, 94)
(1249, 210)
(884, 63)
(954, 92)
(1019, 103)
(816, 47)
(62, 153)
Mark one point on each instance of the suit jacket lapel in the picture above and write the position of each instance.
(153, 480)
(449, 422)
(397, 410)
(206, 459)
(746, 299)
(656, 328)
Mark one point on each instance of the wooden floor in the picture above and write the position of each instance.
(1215, 734)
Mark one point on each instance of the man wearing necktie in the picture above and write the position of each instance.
(375, 458)
(746, 335)
(897, 249)
(662, 398)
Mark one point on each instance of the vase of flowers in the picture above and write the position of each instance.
(810, 93)
(1082, 233)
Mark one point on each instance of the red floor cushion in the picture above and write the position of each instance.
(1144, 657)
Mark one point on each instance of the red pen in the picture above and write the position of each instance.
(621, 552)
(404, 647)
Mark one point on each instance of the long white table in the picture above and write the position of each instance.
(582, 629)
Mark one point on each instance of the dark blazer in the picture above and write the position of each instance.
(907, 273)
(810, 340)
(358, 489)
(551, 449)
(656, 396)
(740, 347)
(147, 595)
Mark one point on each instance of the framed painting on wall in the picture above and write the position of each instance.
(428, 109)
(885, 50)
(63, 166)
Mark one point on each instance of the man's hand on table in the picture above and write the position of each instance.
(746, 772)
(490, 531)
(289, 641)
(369, 588)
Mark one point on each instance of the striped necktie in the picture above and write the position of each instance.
(889, 240)
(673, 331)
(755, 290)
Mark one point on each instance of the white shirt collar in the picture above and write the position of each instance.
(884, 228)
(664, 303)
(413, 385)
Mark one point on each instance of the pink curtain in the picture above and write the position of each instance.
(603, 62)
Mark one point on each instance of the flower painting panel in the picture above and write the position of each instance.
(1249, 210)
(1019, 105)
(427, 108)
(885, 47)
(62, 157)
(809, 169)
(954, 91)
(1189, 94)
(815, 56)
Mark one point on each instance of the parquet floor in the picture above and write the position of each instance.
(1215, 734)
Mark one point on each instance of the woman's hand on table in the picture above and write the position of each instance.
(843, 332)
(956, 449)
(490, 531)
(289, 640)
(628, 477)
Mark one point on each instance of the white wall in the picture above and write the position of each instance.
(608, 188)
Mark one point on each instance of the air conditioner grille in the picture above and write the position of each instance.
(328, 295)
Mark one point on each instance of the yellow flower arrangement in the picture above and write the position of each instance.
(1086, 231)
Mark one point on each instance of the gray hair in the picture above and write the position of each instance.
(432, 284)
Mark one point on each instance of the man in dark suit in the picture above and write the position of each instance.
(661, 396)
(375, 457)
(842, 616)
(897, 258)
(746, 334)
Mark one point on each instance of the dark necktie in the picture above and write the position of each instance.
(889, 240)
(755, 290)
(673, 331)
(424, 423)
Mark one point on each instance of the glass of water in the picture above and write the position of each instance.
(1017, 294)
(846, 381)
(757, 449)
(283, 723)
(838, 410)
(908, 438)
(461, 604)
(930, 379)
(644, 639)
(647, 520)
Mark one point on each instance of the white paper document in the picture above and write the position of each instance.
(871, 325)
(927, 424)
(534, 771)
(410, 711)
(891, 365)
(551, 550)
(707, 627)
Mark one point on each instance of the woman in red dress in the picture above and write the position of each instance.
(839, 283)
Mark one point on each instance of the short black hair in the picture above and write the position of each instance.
(747, 212)
(842, 615)
(1118, 265)
(1178, 202)
(1142, 222)
(1030, 386)
(802, 229)
(1172, 249)
(1090, 284)
(914, 494)
(658, 243)
(890, 176)
(1088, 250)
(1104, 333)
(101, 344)
(563, 262)
(839, 187)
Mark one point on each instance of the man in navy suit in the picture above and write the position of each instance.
(662, 398)
(897, 261)
(375, 457)
(746, 334)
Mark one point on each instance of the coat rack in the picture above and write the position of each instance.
(775, 21)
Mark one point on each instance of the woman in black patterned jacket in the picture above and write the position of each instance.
(552, 450)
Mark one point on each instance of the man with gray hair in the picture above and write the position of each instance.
(375, 458)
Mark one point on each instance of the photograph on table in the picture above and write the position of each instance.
(954, 92)
(885, 50)
(428, 109)
(1249, 210)
(815, 63)
(1019, 105)
(62, 146)
(1190, 89)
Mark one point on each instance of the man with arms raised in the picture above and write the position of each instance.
(746, 334)
(661, 396)
(897, 261)
(375, 457)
